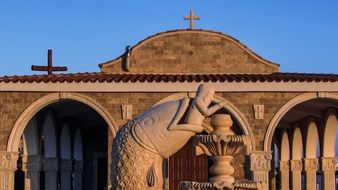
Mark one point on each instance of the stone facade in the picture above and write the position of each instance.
(191, 52)
(186, 52)
(14, 103)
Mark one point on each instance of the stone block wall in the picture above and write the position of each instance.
(191, 52)
(14, 103)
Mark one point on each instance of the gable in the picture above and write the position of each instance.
(190, 51)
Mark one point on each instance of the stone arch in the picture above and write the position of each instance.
(66, 158)
(285, 147)
(268, 138)
(297, 145)
(78, 147)
(284, 162)
(49, 135)
(296, 159)
(78, 160)
(24, 118)
(312, 139)
(31, 139)
(329, 138)
(239, 116)
(65, 143)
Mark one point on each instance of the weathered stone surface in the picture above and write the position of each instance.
(140, 146)
(191, 51)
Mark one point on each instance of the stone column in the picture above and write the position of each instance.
(296, 174)
(66, 174)
(260, 162)
(7, 168)
(328, 173)
(32, 166)
(51, 167)
(311, 167)
(78, 170)
(284, 174)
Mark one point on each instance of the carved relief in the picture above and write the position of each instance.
(243, 185)
(259, 111)
(328, 164)
(284, 165)
(8, 161)
(127, 111)
(140, 146)
(296, 165)
(260, 161)
(310, 164)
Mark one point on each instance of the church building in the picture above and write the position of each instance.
(57, 130)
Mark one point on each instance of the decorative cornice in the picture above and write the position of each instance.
(169, 86)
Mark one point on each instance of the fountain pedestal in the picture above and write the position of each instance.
(221, 144)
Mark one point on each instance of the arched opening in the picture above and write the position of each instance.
(78, 160)
(297, 181)
(311, 122)
(283, 161)
(72, 146)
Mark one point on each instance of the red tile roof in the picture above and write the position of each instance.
(128, 77)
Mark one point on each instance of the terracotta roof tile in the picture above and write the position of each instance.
(141, 77)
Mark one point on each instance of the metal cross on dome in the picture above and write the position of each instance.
(191, 17)
(49, 68)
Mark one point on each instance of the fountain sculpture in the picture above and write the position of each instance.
(221, 144)
(140, 146)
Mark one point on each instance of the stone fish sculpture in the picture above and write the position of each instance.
(140, 145)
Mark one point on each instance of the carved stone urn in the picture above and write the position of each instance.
(221, 144)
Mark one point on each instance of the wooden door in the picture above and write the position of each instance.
(185, 166)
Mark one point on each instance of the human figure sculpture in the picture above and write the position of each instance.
(140, 145)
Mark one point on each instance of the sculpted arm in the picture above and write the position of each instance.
(208, 111)
(185, 127)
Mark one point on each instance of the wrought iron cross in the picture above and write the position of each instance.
(49, 68)
(191, 17)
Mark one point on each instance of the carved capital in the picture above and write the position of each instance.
(78, 166)
(31, 163)
(296, 165)
(66, 165)
(50, 164)
(8, 161)
(260, 161)
(284, 165)
(311, 164)
(328, 164)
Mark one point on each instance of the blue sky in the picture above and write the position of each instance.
(302, 36)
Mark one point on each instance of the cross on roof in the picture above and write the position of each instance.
(191, 17)
(49, 68)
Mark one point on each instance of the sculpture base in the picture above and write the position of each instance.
(239, 185)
